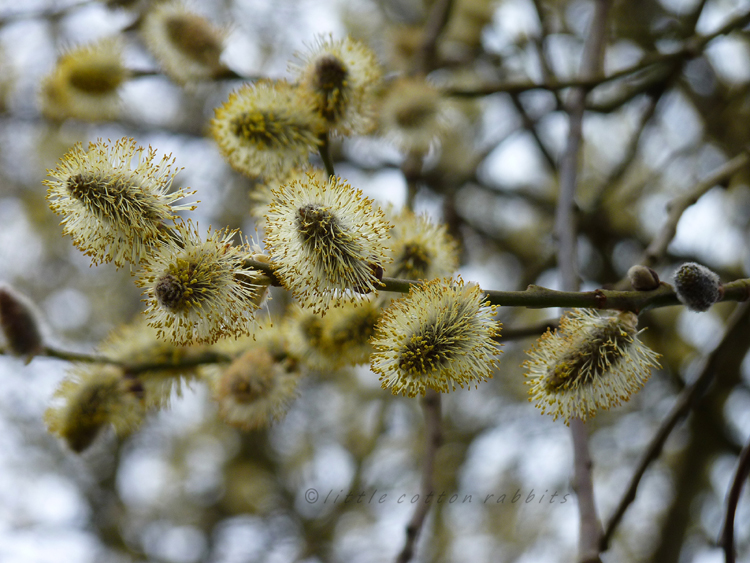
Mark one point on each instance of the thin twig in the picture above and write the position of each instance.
(223, 74)
(687, 399)
(520, 86)
(692, 47)
(530, 125)
(631, 151)
(434, 437)
(677, 206)
(654, 80)
(544, 62)
(325, 154)
(411, 168)
(207, 357)
(436, 22)
(733, 498)
(589, 527)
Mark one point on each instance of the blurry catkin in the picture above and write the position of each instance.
(697, 286)
(85, 83)
(414, 115)
(267, 128)
(419, 248)
(90, 398)
(187, 46)
(255, 390)
(463, 34)
(19, 324)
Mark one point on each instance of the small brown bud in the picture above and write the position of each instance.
(19, 324)
(643, 278)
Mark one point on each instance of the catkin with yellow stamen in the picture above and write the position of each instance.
(589, 363)
(261, 195)
(420, 249)
(266, 128)
(200, 290)
(326, 241)
(341, 78)
(114, 211)
(440, 336)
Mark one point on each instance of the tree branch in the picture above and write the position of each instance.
(538, 297)
(527, 331)
(726, 539)
(687, 400)
(324, 149)
(566, 233)
(207, 357)
(631, 151)
(436, 22)
(530, 125)
(691, 48)
(678, 205)
(434, 438)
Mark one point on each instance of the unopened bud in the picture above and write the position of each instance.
(643, 278)
(19, 324)
(697, 286)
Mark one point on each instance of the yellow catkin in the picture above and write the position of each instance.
(589, 363)
(440, 336)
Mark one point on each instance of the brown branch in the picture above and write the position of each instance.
(686, 400)
(434, 438)
(520, 86)
(223, 74)
(411, 168)
(677, 206)
(544, 62)
(657, 79)
(733, 497)
(589, 527)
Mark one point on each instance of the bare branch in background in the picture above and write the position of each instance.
(686, 400)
